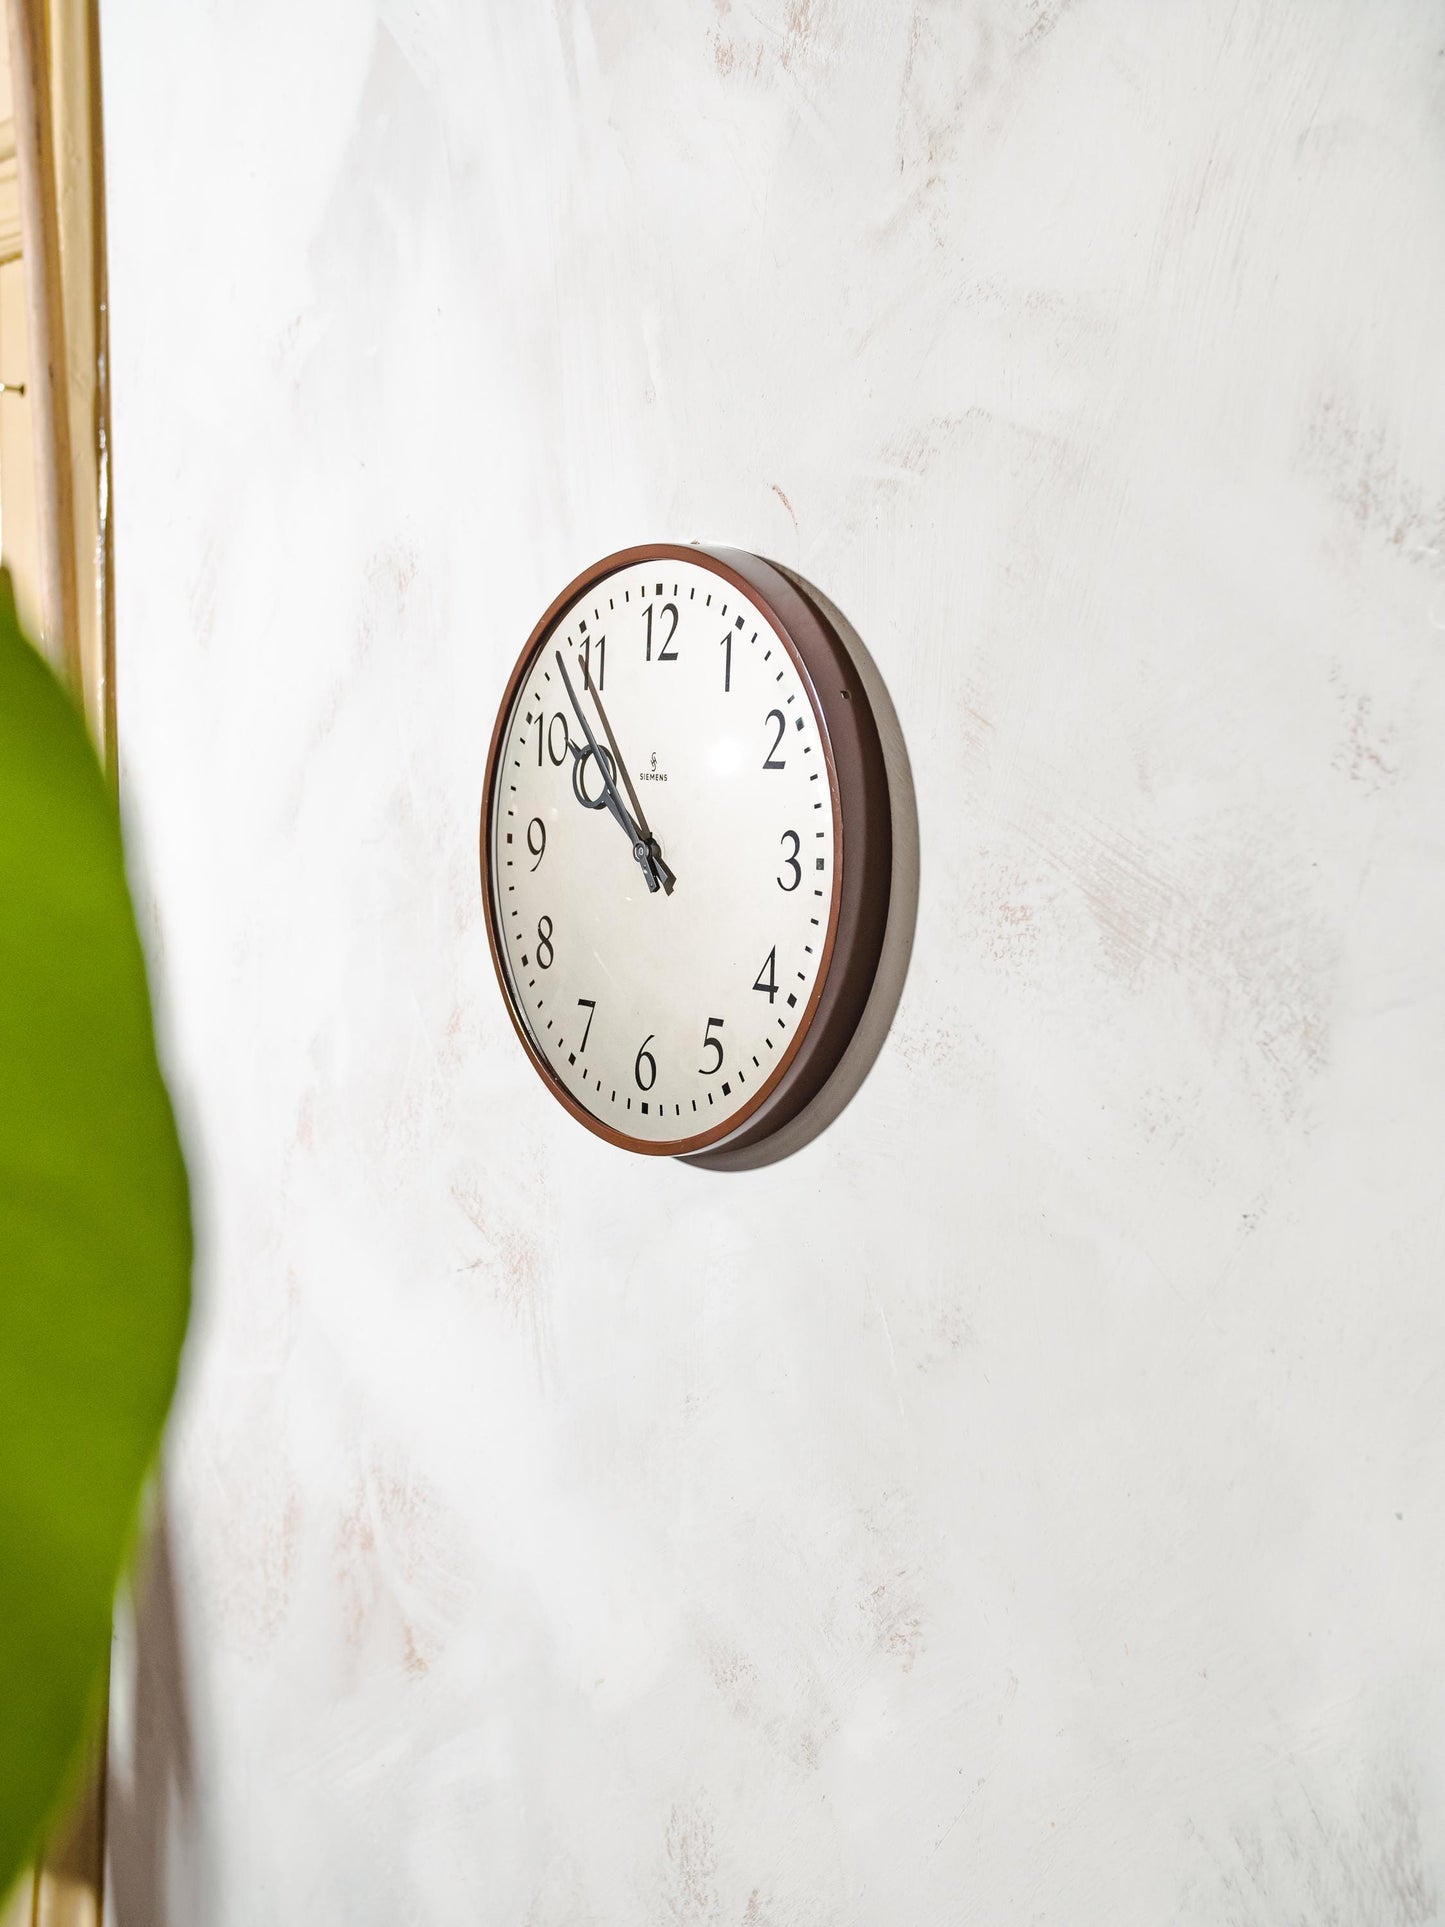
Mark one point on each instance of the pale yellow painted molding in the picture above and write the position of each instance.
(70, 1881)
(17, 1912)
(51, 158)
(9, 205)
(48, 383)
(74, 42)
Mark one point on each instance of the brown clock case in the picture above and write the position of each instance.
(863, 844)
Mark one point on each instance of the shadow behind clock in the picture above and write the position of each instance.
(894, 944)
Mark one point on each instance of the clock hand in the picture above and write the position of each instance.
(644, 844)
(621, 767)
(609, 799)
(618, 767)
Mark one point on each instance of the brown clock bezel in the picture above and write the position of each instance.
(862, 843)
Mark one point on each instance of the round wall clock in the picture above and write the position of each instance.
(686, 848)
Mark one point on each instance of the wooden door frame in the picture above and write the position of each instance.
(55, 72)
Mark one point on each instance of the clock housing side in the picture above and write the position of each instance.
(863, 832)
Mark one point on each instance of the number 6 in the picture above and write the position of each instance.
(645, 1056)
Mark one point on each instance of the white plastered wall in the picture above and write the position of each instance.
(1025, 1504)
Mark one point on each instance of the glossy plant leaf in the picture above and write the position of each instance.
(95, 1238)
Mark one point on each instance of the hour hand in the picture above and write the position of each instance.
(644, 846)
(644, 849)
(657, 868)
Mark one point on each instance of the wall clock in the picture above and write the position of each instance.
(686, 848)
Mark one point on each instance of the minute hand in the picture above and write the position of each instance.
(644, 849)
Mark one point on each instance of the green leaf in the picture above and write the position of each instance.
(95, 1237)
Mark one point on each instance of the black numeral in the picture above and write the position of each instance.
(544, 943)
(589, 1004)
(709, 1042)
(728, 662)
(587, 682)
(776, 716)
(767, 978)
(791, 862)
(558, 756)
(645, 1056)
(666, 653)
(538, 847)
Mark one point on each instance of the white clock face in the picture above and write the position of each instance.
(663, 1013)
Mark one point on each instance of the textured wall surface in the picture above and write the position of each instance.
(1025, 1504)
